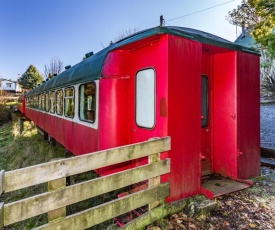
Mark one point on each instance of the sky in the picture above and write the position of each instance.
(35, 31)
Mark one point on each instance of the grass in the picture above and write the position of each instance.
(11, 103)
(22, 151)
(25, 150)
(30, 149)
(5, 114)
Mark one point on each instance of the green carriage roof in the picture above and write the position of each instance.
(90, 69)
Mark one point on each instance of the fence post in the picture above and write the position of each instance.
(21, 126)
(2, 174)
(55, 185)
(1, 216)
(155, 180)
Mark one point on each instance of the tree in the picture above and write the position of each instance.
(3, 96)
(55, 67)
(244, 16)
(263, 29)
(259, 17)
(30, 78)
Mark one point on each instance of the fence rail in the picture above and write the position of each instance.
(59, 196)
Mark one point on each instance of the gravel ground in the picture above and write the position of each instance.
(252, 208)
(268, 126)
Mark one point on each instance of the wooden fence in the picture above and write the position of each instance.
(59, 196)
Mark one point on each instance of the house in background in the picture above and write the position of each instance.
(10, 86)
(245, 39)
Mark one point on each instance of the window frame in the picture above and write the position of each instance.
(43, 102)
(50, 99)
(95, 104)
(151, 127)
(61, 101)
(204, 107)
(36, 105)
(69, 97)
(47, 102)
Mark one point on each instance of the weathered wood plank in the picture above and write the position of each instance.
(42, 173)
(156, 214)
(155, 180)
(60, 212)
(2, 175)
(101, 213)
(1, 215)
(21, 125)
(43, 203)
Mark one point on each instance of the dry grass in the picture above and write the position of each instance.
(30, 149)
(27, 149)
(22, 151)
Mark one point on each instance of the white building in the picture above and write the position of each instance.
(10, 86)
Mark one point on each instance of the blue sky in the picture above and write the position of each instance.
(34, 31)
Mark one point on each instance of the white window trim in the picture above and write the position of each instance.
(146, 98)
(76, 116)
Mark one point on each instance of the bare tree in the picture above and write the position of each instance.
(125, 33)
(121, 35)
(55, 67)
(3, 97)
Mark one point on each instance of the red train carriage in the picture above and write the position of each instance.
(200, 89)
(21, 104)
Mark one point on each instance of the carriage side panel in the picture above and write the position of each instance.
(184, 123)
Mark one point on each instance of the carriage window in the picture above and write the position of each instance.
(59, 102)
(69, 102)
(47, 104)
(87, 105)
(204, 99)
(32, 102)
(145, 98)
(43, 102)
(36, 102)
(52, 102)
(40, 102)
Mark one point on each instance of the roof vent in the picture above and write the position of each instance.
(89, 54)
(68, 67)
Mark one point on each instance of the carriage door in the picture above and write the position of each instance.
(206, 116)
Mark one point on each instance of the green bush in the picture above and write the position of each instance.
(268, 84)
(5, 115)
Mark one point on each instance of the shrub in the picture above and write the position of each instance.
(5, 115)
(268, 84)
